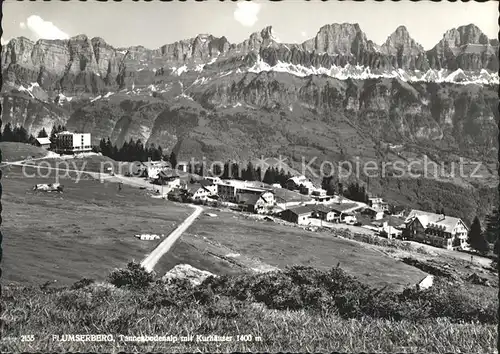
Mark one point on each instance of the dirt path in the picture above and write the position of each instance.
(131, 181)
(150, 261)
(21, 162)
(476, 260)
(352, 228)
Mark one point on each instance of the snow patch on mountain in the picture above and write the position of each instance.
(226, 73)
(24, 89)
(62, 98)
(35, 91)
(199, 67)
(180, 70)
(183, 95)
(358, 72)
(200, 81)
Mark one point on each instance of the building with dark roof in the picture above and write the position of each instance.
(436, 229)
(299, 215)
(257, 203)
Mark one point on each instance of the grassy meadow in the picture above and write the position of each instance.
(86, 231)
(280, 245)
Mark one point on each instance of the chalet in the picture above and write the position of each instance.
(209, 186)
(378, 204)
(165, 178)
(299, 215)
(324, 213)
(372, 213)
(42, 142)
(198, 192)
(256, 203)
(436, 229)
(343, 212)
(152, 169)
(390, 227)
(301, 183)
(391, 231)
(398, 211)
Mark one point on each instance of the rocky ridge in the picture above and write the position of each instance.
(81, 64)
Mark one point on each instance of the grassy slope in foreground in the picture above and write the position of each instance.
(84, 232)
(281, 245)
(341, 315)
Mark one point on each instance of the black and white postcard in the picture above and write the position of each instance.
(249, 176)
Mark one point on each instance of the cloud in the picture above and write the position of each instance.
(43, 29)
(4, 42)
(303, 34)
(246, 13)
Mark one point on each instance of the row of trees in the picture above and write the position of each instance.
(332, 186)
(134, 150)
(232, 170)
(477, 239)
(356, 192)
(55, 130)
(19, 134)
(16, 134)
(275, 175)
(130, 151)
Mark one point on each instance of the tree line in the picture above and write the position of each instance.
(132, 150)
(354, 191)
(18, 134)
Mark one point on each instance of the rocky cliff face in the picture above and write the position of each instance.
(403, 52)
(208, 96)
(80, 64)
(466, 48)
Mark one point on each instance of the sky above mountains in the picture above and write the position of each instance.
(153, 24)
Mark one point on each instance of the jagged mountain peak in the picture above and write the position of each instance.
(401, 33)
(402, 30)
(340, 26)
(334, 51)
(79, 37)
(400, 39)
(338, 38)
(267, 33)
(468, 34)
(21, 39)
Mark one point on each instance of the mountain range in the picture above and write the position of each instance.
(336, 96)
(342, 51)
